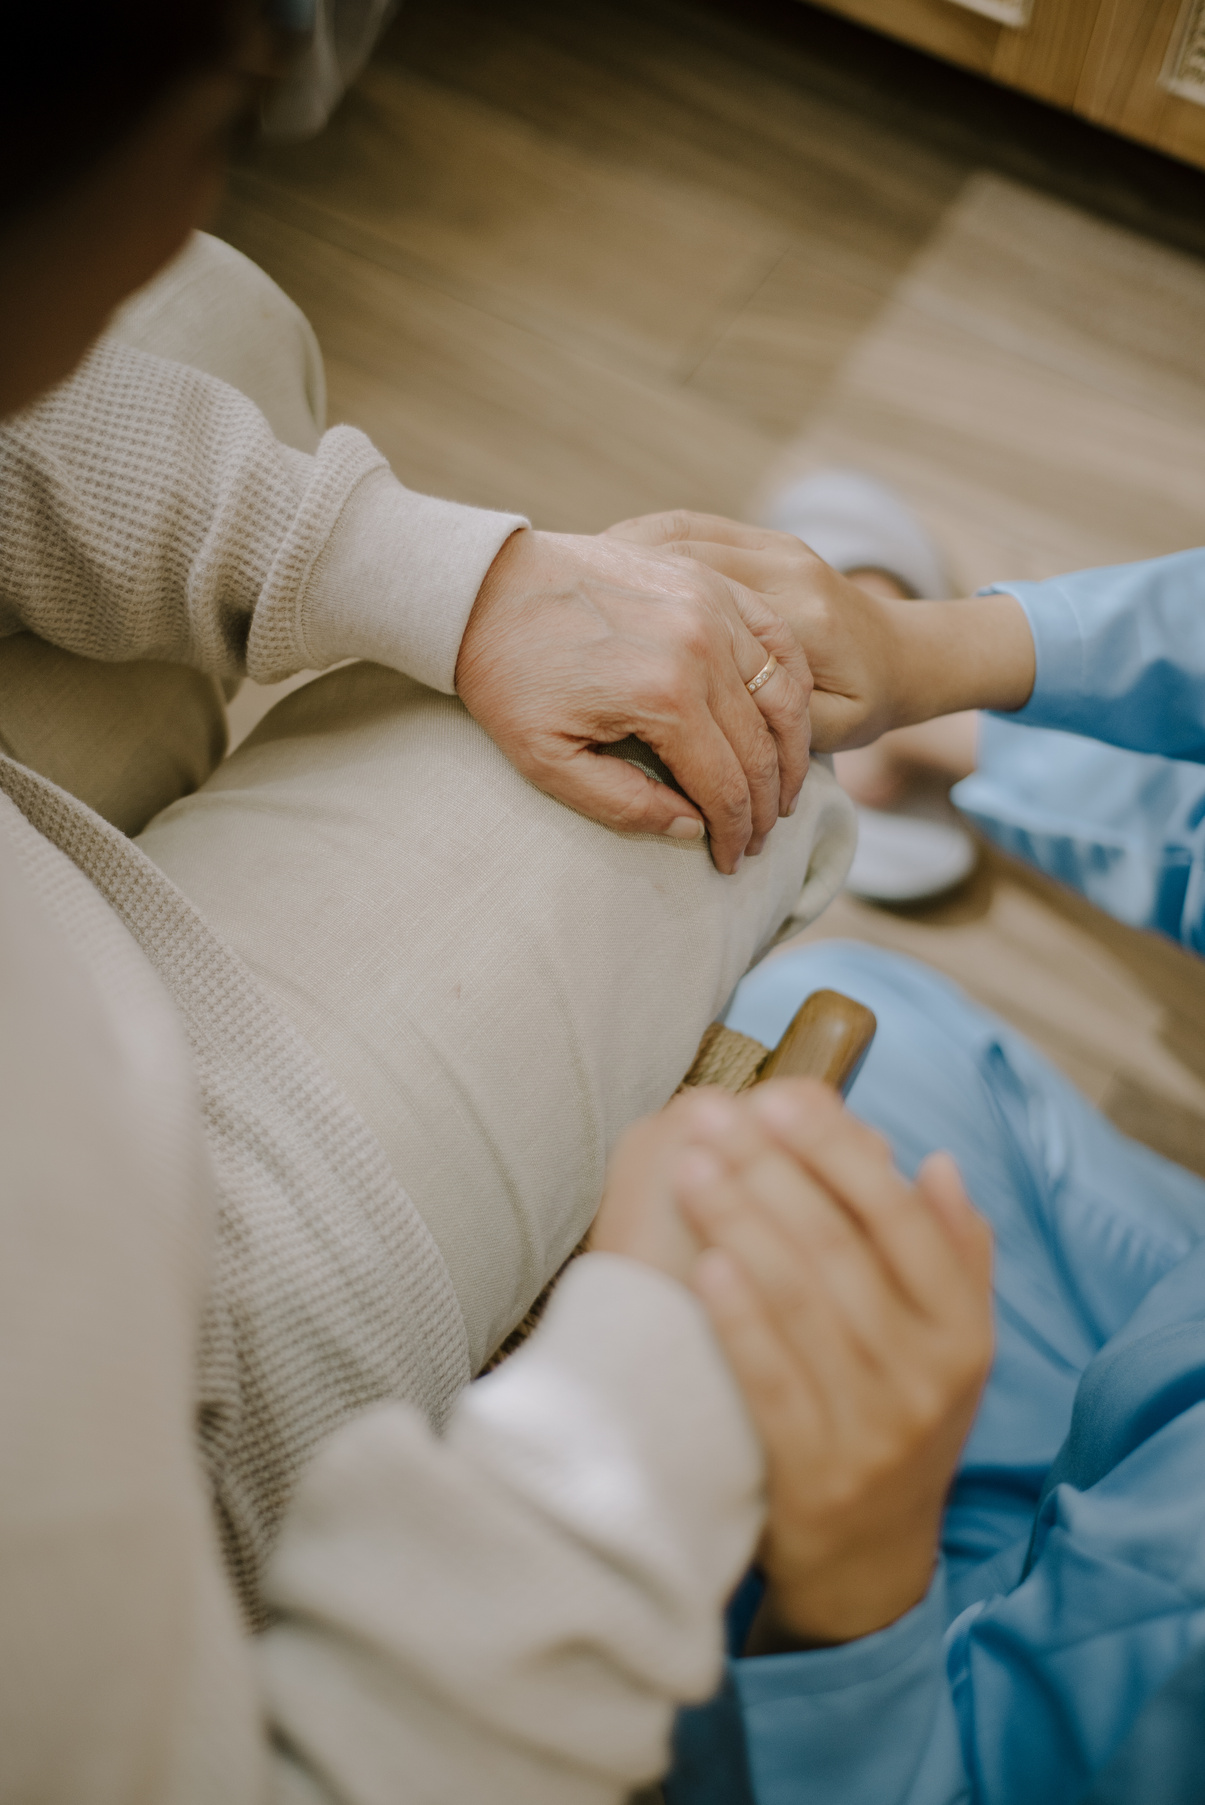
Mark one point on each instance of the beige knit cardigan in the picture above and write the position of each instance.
(149, 513)
(507, 1612)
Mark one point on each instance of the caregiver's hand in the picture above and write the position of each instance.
(855, 1309)
(576, 641)
(875, 663)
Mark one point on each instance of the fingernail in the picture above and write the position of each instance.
(794, 805)
(685, 828)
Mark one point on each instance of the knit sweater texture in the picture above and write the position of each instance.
(149, 513)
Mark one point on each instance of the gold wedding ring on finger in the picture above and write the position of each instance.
(763, 676)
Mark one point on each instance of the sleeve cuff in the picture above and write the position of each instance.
(1058, 644)
(855, 1723)
(768, 1679)
(623, 1404)
(397, 579)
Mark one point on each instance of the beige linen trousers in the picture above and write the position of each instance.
(498, 984)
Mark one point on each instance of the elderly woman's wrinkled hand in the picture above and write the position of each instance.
(577, 641)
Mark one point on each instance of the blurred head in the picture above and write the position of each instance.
(115, 116)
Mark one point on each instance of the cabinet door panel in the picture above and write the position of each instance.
(1105, 59)
(1047, 57)
(1041, 51)
(1122, 84)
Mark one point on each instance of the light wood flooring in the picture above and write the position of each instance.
(588, 262)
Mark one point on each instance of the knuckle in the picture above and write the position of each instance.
(690, 612)
(665, 684)
(761, 761)
(802, 683)
(659, 699)
(676, 523)
(808, 562)
(694, 631)
(731, 801)
(787, 696)
(629, 816)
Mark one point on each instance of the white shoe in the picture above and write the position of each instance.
(856, 523)
(908, 858)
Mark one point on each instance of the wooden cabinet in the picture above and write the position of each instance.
(1137, 66)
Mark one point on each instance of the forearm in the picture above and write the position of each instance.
(1112, 654)
(150, 513)
(949, 656)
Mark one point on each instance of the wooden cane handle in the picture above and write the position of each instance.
(828, 1039)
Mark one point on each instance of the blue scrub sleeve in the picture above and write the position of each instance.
(1121, 654)
(870, 1723)
(1027, 1694)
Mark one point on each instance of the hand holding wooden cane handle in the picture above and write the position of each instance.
(828, 1038)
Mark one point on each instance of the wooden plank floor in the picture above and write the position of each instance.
(592, 261)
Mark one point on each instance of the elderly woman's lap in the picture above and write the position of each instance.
(499, 984)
